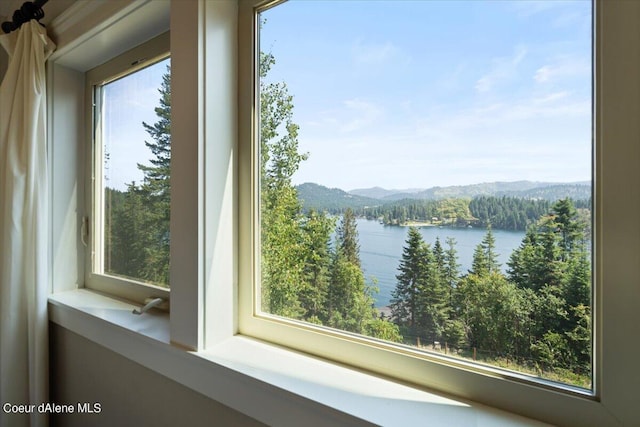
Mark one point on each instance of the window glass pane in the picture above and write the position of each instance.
(426, 176)
(136, 124)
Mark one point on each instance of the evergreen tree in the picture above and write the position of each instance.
(128, 235)
(451, 268)
(553, 261)
(412, 271)
(156, 188)
(526, 267)
(420, 299)
(138, 225)
(350, 304)
(570, 230)
(313, 295)
(433, 299)
(348, 237)
(157, 177)
(485, 258)
(438, 257)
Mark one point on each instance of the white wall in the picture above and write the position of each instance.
(129, 394)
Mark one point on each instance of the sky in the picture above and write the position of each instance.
(411, 94)
(419, 94)
(128, 102)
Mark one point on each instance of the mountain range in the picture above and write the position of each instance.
(315, 196)
(521, 189)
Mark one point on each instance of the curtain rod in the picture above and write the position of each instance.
(27, 12)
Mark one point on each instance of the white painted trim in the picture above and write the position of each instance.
(154, 50)
(74, 15)
(271, 384)
(187, 174)
(92, 32)
(220, 171)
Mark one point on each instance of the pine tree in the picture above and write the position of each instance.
(433, 298)
(313, 295)
(157, 177)
(348, 237)
(571, 232)
(451, 268)
(128, 235)
(349, 300)
(553, 262)
(406, 295)
(485, 258)
(156, 189)
(438, 256)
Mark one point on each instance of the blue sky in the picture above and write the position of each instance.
(127, 103)
(424, 93)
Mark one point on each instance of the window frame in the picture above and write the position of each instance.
(129, 62)
(512, 392)
(211, 72)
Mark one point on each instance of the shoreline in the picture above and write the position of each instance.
(418, 224)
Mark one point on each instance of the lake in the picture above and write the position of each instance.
(381, 249)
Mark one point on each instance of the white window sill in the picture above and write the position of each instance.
(271, 384)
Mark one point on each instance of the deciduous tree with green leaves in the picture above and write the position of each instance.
(302, 276)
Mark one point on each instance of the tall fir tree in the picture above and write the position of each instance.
(317, 263)
(405, 298)
(158, 176)
(156, 188)
(433, 298)
(347, 233)
(451, 268)
(485, 258)
(349, 300)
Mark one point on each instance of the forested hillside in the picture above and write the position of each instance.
(333, 200)
(521, 189)
(501, 212)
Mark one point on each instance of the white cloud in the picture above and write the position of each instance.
(555, 106)
(503, 68)
(562, 67)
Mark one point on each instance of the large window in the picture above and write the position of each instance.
(424, 177)
(220, 261)
(131, 161)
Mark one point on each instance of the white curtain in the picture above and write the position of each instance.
(23, 225)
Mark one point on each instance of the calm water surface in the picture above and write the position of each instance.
(381, 249)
